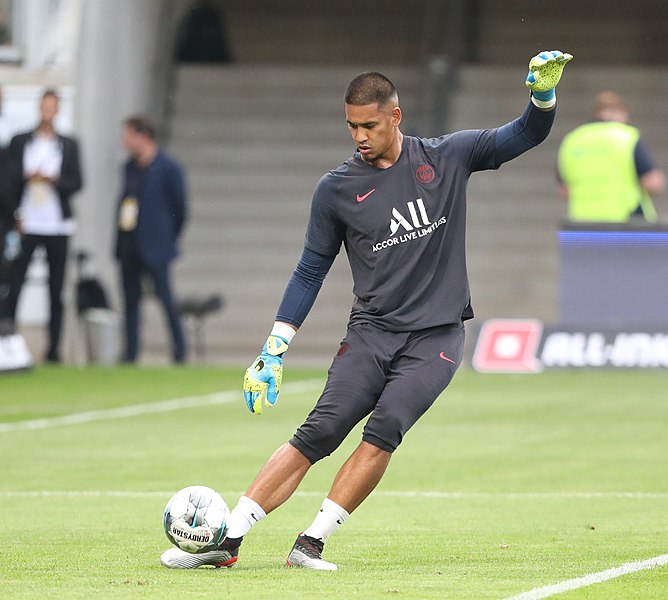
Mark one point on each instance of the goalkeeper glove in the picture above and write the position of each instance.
(545, 71)
(262, 381)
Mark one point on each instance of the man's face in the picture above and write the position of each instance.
(614, 113)
(373, 129)
(48, 109)
(132, 141)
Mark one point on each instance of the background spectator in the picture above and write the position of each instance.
(49, 173)
(151, 214)
(605, 169)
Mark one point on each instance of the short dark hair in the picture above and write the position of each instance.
(141, 124)
(369, 88)
(50, 93)
(608, 99)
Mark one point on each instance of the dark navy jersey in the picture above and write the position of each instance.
(404, 229)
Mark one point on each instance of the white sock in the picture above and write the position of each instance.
(246, 513)
(327, 521)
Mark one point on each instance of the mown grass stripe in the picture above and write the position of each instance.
(135, 410)
(380, 493)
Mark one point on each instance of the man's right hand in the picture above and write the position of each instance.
(262, 381)
(39, 178)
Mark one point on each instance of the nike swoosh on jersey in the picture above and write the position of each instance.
(363, 198)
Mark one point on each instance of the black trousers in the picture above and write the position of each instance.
(56, 256)
(132, 270)
(4, 267)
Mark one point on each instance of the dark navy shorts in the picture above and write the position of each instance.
(393, 377)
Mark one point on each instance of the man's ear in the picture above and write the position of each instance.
(396, 116)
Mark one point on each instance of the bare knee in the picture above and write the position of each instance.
(372, 450)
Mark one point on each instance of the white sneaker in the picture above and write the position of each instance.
(307, 553)
(174, 558)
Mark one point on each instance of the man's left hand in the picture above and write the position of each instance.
(545, 70)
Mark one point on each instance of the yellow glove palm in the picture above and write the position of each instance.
(545, 70)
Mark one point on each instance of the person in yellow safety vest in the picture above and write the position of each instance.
(605, 170)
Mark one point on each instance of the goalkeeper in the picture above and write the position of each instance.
(398, 205)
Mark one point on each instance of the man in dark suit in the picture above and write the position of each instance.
(150, 217)
(47, 170)
(7, 194)
(7, 207)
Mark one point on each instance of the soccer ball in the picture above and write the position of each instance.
(195, 519)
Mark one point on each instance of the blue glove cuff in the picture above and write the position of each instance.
(544, 96)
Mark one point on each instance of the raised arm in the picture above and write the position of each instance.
(523, 133)
(534, 125)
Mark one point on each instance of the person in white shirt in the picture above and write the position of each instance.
(47, 170)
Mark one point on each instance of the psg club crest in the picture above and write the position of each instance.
(425, 174)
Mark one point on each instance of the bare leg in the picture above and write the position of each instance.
(359, 475)
(279, 478)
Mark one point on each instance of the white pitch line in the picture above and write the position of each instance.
(592, 578)
(307, 494)
(520, 495)
(135, 410)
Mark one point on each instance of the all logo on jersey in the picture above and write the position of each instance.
(425, 173)
(409, 223)
(398, 219)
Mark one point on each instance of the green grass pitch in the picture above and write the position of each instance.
(509, 483)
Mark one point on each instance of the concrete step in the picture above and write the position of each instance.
(230, 80)
(216, 154)
(257, 128)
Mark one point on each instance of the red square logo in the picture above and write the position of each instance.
(508, 346)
